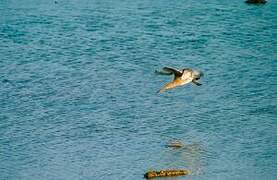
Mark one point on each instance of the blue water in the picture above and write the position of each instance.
(78, 89)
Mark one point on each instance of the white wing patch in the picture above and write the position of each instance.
(187, 77)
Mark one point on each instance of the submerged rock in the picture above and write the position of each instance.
(256, 1)
(166, 173)
(175, 144)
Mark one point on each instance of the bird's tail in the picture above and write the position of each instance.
(161, 90)
(167, 86)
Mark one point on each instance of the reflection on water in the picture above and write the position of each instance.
(185, 156)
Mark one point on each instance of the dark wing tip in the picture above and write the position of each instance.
(172, 70)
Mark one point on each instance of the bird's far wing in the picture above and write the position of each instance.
(173, 71)
(163, 72)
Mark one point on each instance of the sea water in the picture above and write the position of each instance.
(78, 90)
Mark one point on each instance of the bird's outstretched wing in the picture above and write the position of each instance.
(162, 72)
(176, 73)
(172, 71)
(169, 71)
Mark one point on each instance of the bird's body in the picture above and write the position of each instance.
(181, 78)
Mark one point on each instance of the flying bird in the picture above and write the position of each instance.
(181, 77)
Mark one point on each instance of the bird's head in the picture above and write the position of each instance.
(198, 74)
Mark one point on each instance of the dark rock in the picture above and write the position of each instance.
(256, 1)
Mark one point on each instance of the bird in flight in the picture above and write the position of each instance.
(181, 77)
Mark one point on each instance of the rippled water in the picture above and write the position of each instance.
(78, 90)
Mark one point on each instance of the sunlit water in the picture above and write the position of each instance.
(78, 89)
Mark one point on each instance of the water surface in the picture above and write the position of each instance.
(78, 89)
